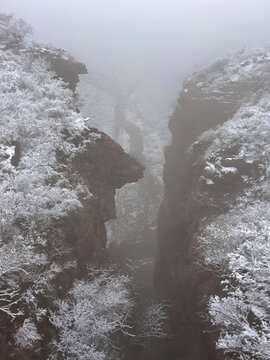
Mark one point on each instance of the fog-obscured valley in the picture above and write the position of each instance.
(135, 180)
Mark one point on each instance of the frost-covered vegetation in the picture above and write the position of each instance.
(241, 78)
(96, 311)
(37, 110)
(236, 243)
(102, 312)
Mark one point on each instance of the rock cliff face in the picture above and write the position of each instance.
(103, 167)
(194, 193)
(63, 64)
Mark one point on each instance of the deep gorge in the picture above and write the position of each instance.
(100, 258)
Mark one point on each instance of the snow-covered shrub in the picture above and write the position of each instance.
(27, 335)
(243, 315)
(94, 313)
(227, 232)
(152, 322)
(12, 32)
(237, 79)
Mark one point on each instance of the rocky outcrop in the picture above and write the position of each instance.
(62, 63)
(103, 167)
(209, 98)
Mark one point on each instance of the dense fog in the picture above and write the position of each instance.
(138, 38)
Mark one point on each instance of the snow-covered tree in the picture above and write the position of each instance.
(90, 320)
(152, 322)
(27, 335)
(12, 32)
(243, 315)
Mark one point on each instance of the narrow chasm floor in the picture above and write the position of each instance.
(137, 259)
